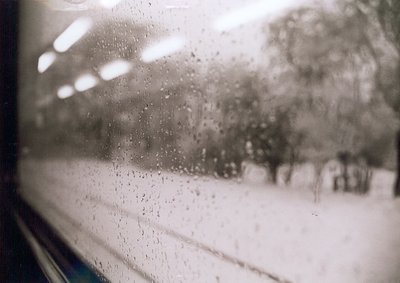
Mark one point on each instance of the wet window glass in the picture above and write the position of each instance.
(215, 141)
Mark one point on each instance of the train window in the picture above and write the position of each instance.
(214, 141)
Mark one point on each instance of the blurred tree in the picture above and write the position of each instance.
(331, 61)
(269, 140)
(239, 98)
(384, 15)
(253, 124)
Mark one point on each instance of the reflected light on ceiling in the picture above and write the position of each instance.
(65, 91)
(45, 61)
(109, 4)
(114, 69)
(179, 4)
(163, 48)
(250, 13)
(72, 34)
(85, 82)
(176, 7)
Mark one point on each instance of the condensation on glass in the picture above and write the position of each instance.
(214, 141)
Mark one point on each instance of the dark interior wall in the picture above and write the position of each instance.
(9, 241)
(17, 263)
(8, 92)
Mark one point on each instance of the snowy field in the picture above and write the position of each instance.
(140, 226)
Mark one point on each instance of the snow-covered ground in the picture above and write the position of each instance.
(140, 226)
